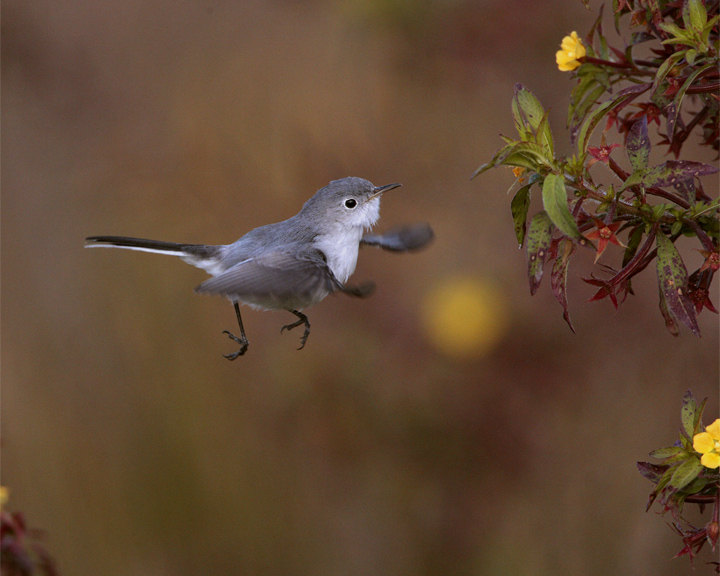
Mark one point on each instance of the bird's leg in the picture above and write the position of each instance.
(243, 341)
(303, 320)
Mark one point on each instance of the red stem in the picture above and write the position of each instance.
(600, 62)
(702, 236)
(630, 267)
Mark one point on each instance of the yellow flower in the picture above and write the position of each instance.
(571, 49)
(708, 444)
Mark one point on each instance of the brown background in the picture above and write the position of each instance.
(140, 450)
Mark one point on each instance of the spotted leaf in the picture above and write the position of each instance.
(538, 242)
(673, 283)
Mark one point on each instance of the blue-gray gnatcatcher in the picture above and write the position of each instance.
(296, 263)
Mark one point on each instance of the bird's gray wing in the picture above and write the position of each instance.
(279, 279)
(403, 239)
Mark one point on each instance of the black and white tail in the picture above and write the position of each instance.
(200, 255)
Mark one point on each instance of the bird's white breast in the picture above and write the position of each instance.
(341, 250)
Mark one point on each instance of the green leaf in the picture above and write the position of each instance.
(679, 457)
(698, 417)
(637, 144)
(665, 67)
(696, 485)
(525, 154)
(592, 120)
(519, 207)
(581, 110)
(544, 136)
(530, 120)
(674, 109)
(662, 482)
(499, 155)
(673, 30)
(662, 453)
(539, 237)
(528, 155)
(555, 203)
(558, 276)
(685, 473)
(633, 244)
(527, 112)
(708, 27)
(694, 15)
(688, 412)
(673, 279)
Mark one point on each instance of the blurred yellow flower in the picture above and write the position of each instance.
(4, 494)
(571, 49)
(465, 317)
(708, 444)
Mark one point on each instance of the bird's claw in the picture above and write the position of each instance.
(243, 342)
(304, 337)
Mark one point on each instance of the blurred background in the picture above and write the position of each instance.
(451, 424)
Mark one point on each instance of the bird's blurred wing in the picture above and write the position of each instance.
(403, 239)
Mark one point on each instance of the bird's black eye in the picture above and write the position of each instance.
(350, 203)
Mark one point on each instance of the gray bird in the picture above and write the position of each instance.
(293, 264)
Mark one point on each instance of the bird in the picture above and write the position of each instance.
(293, 264)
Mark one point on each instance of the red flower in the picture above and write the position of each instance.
(601, 154)
(604, 234)
(648, 109)
(609, 289)
(674, 85)
(699, 288)
(712, 260)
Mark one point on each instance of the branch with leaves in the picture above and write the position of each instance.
(653, 205)
(689, 473)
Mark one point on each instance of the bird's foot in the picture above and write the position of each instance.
(303, 320)
(243, 345)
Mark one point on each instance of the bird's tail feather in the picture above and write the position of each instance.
(194, 251)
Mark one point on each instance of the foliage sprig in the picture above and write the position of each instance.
(676, 89)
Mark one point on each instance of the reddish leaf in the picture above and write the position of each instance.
(637, 144)
(652, 472)
(673, 281)
(558, 277)
(674, 171)
(615, 103)
(670, 323)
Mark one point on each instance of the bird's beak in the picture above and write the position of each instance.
(378, 190)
